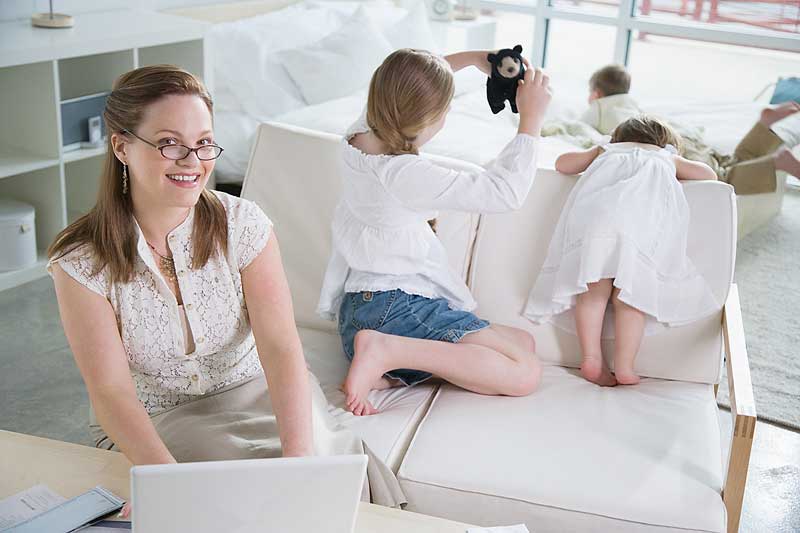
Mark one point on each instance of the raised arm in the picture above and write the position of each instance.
(577, 162)
(502, 186)
(693, 170)
(269, 304)
(91, 329)
(476, 58)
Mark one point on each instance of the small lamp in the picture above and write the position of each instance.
(52, 20)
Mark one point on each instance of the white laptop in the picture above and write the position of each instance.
(304, 495)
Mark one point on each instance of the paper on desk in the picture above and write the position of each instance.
(519, 528)
(27, 504)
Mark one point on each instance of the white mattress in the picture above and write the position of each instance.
(472, 133)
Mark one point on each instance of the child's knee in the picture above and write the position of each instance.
(528, 379)
(527, 340)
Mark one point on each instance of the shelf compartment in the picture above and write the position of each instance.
(13, 278)
(187, 55)
(81, 180)
(13, 162)
(81, 76)
(42, 189)
(29, 136)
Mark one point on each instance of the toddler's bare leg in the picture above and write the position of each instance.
(628, 330)
(589, 312)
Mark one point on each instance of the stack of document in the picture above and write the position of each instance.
(39, 509)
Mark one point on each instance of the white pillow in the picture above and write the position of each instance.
(413, 30)
(338, 64)
(385, 13)
(243, 53)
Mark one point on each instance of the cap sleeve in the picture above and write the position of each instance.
(251, 231)
(79, 264)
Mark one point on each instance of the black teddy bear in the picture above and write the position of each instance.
(507, 70)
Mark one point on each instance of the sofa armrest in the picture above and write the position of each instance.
(743, 408)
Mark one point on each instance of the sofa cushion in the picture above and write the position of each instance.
(571, 457)
(511, 248)
(387, 433)
(294, 177)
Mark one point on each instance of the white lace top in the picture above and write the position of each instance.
(149, 319)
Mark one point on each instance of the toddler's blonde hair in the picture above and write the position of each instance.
(646, 129)
(409, 91)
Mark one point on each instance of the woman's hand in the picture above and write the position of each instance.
(126, 511)
(533, 97)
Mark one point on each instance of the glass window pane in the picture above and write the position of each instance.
(715, 73)
(596, 7)
(574, 51)
(776, 15)
(513, 29)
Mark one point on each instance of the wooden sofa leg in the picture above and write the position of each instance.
(743, 409)
(741, 444)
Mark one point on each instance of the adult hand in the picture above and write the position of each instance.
(533, 97)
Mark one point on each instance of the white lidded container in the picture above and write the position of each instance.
(17, 235)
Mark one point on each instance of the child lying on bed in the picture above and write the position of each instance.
(404, 315)
(752, 166)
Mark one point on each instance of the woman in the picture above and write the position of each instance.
(174, 300)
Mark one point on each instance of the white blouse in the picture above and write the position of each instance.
(149, 319)
(380, 233)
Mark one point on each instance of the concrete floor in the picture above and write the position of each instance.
(41, 393)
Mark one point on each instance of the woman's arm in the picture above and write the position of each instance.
(577, 162)
(91, 329)
(269, 304)
(693, 170)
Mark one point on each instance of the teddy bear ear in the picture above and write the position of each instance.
(518, 48)
(491, 57)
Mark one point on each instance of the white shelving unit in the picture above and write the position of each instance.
(39, 69)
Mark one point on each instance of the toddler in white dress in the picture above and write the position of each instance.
(622, 239)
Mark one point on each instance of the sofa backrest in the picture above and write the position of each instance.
(511, 248)
(294, 176)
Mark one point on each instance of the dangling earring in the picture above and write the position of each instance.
(124, 178)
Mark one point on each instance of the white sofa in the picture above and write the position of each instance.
(572, 456)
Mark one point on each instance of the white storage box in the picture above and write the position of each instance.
(17, 235)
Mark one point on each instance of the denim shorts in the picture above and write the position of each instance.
(398, 313)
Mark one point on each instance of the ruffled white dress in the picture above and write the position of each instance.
(627, 219)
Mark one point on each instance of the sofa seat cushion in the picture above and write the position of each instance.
(387, 433)
(571, 457)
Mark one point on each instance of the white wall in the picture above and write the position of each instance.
(23, 9)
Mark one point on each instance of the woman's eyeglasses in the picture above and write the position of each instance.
(176, 152)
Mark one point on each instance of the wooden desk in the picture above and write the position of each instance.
(71, 469)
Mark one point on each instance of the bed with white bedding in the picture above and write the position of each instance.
(261, 52)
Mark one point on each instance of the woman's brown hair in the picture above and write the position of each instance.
(409, 91)
(648, 130)
(109, 226)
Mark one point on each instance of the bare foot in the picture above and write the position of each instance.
(626, 377)
(786, 161)
(594, 369)
(366, 371)
(771, 115)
